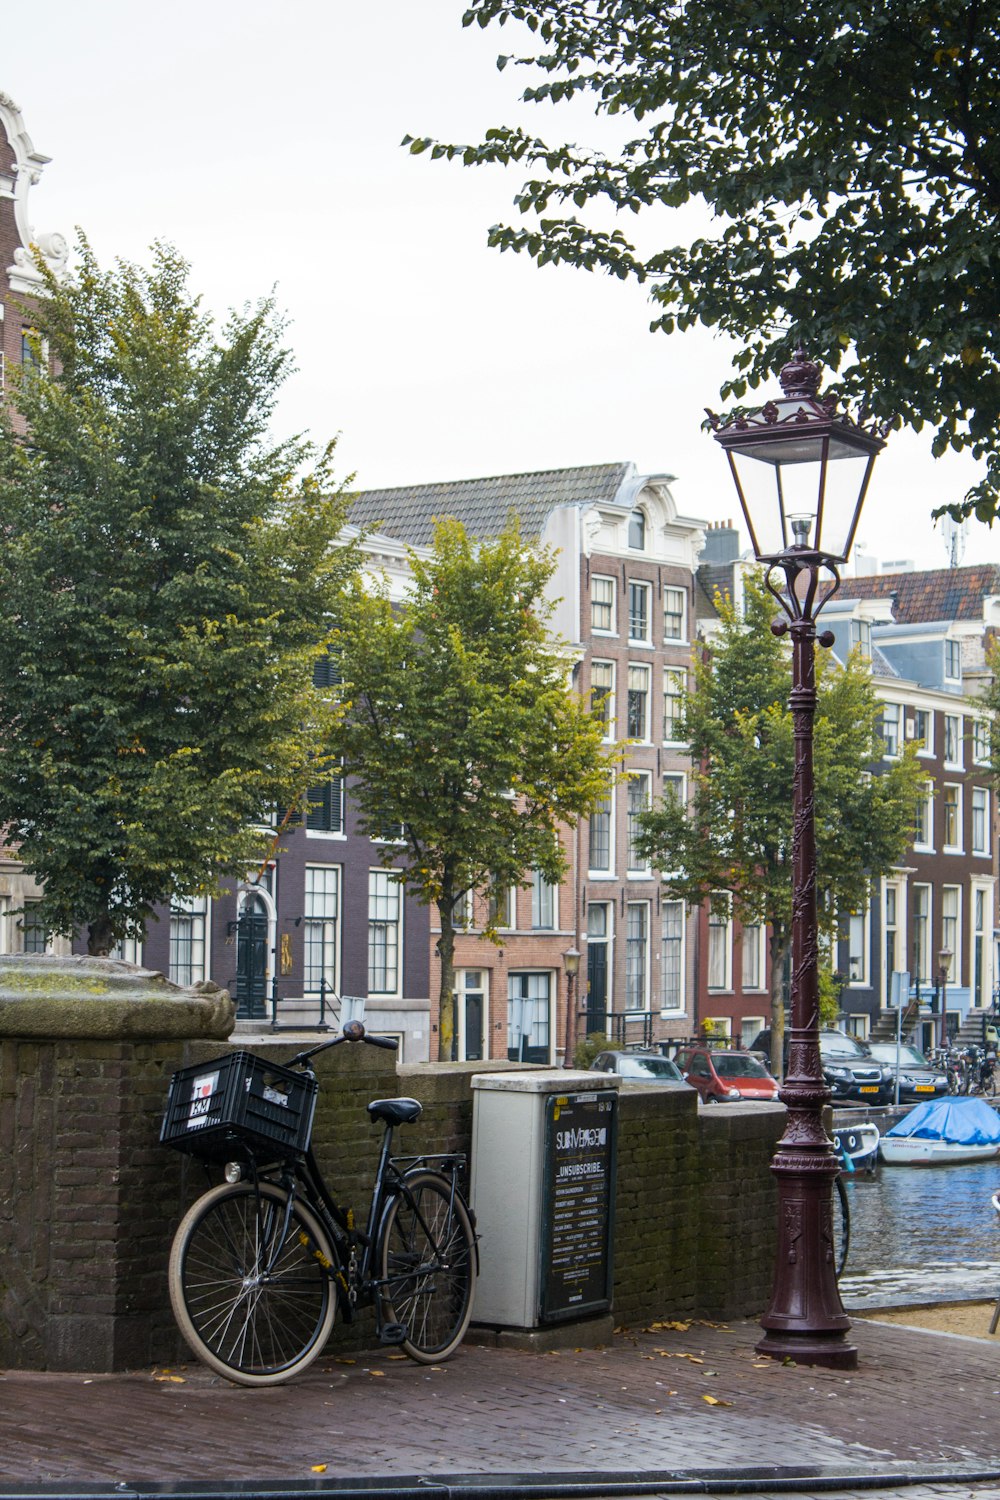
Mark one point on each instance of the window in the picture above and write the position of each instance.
(637, 955)
(923, 825)
(674, 614)
(672, 956)
(187, 939)
(857, 947)
(891, 933)
(31, 352)
(981, 741)
(637, 531)
(720, 946)
(951, 811)
(753, 957)
(674, 685)
(129, 950)
(543, 905)
(922, 931)
(638, 703)
(602, 604)
(35, 933)
(860, 635)
(980, 820)
(892, 724)
(602, 695)
(638, 612)
(951, 933)
(325, 813)
(503, 907)
(953, 739)
(326, 671)
(953, 660)
(980, 991)
(599, 858)
(528, 1017)
(923, 729)
(640, 796)
(322, 910)
(749, 1028)
(383, 932)
(463, 912)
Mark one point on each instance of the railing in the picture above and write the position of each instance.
(333, 1008)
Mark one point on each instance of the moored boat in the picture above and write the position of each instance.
(942, 1131)
(857, 1146)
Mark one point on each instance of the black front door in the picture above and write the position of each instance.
(597, 986)
(251, 959)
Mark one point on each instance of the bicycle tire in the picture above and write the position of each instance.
(254, 1334)
(841, 1228)
(426, 1252)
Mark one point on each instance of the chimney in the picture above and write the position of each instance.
(722, 543)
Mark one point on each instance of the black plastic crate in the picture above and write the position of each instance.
(215, 1106)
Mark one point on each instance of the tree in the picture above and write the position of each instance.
(166, 582)
(850, 158)
(460, 729)
(736, 835)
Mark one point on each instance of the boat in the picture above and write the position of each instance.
(857, 1146)
(940, 1131)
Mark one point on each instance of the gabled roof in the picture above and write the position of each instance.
(933, 596)
(484, 506)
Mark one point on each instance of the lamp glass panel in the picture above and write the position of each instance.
(781, 482)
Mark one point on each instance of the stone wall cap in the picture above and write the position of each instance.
(51, 995)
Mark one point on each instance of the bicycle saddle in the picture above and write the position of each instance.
(396, 1111)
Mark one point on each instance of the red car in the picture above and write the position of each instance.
(719, 1074)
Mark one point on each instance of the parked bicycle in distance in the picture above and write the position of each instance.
(261, 1262)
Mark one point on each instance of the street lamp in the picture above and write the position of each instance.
(944, 964)
(801, 470)
(571, 968)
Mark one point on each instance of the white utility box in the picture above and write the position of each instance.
(543, 1184)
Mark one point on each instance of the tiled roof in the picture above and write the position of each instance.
(935, 595)
(484, 506)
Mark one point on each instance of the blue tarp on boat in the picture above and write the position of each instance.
(969, 1122)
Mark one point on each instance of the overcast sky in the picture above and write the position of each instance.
(262, 139)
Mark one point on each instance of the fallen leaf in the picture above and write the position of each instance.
(714, 1401)
(341, 1361)
(376, 1372)
(318, 1468)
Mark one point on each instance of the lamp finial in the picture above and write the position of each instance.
(801, 377)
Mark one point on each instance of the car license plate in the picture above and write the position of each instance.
(868, 1088)
(923, 1088)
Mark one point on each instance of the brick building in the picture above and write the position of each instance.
(624, 585)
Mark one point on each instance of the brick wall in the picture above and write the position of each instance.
(89, 1199)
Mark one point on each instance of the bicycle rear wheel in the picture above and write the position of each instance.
(252, 1297)
(427, 1253)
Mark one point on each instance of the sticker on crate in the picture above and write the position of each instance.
(202, 1090)
(274, 1096)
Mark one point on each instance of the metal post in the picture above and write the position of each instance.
(806, 1321)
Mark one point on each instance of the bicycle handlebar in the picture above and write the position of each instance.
(354, 1031)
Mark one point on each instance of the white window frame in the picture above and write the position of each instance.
(859, 948)
(637, 946)
(610, 604)
(544, 903)
(720, 932)
(923, 932)
(673, 678)
(956, 845)
(750, 1026)
(953, 733)
(601, 871)
(385, 933)
(322, 927)
(951, 929)
(641, 670)
(892, 730)
(639, 799)
(671, 614)
(980, 742)
(926, 741)
(981, 806)
(639, 521)
(753, 947)
(673, 958)
(952, 648)
(640, 590)
(192, 912)
(925, 820)
(607, 715)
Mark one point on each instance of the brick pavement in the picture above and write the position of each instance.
(688, 1405)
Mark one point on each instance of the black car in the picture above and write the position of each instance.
(918, 1078)
(851, 1073)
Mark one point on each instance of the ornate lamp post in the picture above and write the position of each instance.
(571, 968)
(801, 470)
(944, 965)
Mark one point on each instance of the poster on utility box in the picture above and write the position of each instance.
(578, 1204)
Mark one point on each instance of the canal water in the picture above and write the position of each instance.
(922, 1234)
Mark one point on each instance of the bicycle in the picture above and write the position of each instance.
(995, 1200)
(260, 1263)
(841, 1224)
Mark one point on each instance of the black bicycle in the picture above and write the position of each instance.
(260, 1263)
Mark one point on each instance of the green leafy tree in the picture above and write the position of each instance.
(460, 729)
(849, 155)
(736, 835)
(166, 582)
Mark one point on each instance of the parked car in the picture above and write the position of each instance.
(852, 1074)
(640, 1067)
(727, 1074)
(918, 1078)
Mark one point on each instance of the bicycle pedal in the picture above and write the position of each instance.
(393, 1333)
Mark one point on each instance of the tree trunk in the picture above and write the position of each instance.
(447, 1007)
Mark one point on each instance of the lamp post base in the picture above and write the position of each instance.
(830, 1350)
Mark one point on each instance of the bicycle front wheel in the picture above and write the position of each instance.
(250, 1284)
(427, 1254)
(841, 1225)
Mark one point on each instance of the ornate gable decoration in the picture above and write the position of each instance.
(23, 276)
